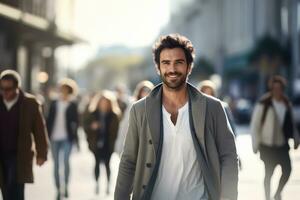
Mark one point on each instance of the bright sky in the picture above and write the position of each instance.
(103, 23)
(128, 22)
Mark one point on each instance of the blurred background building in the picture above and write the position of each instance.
(234, 35)
(239, 43)
(30, 33)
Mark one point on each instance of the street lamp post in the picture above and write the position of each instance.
(293, 7)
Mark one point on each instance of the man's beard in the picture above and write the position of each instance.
(174, 84)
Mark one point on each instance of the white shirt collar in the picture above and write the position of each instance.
(10, 104)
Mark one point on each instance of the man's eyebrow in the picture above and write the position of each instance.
(180, 60)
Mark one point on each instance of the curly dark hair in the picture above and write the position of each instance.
(277, 79)
(172, 41)
(12, 76)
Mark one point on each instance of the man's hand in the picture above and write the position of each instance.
(40, 161)
(95, 125)
(296, 145)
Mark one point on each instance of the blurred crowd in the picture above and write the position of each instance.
(104, 116)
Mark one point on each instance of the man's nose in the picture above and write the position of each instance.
(172, 67)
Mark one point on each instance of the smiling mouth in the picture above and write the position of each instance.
(175, 75)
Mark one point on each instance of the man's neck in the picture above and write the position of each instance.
(16, 96)
(278, 99)
(173, 100)
(64, 98)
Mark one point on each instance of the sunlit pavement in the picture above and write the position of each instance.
(82, 184)
(252, 173)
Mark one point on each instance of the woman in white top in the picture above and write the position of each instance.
(272, 125)
(62, 124)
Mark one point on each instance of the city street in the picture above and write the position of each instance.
(83, 63)
(82, 185)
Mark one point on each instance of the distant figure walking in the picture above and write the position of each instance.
(101, 126)
(62, 123)
(142, 89)
(21, 125)
(272, 125)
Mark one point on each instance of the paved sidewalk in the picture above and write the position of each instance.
(252, 174)
(82, 184)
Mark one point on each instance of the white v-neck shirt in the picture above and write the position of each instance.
(10, 104)
(280, 110)
(59, 132)
(179, 176)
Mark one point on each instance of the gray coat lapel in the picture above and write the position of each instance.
(198, 114)
(153, 113)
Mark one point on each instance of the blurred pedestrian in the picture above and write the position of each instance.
(178, 144)
(208, 87)
(101, 127)
(142, 89)
(122, 98)
(21, 125)
(62, 124)
(272, 125)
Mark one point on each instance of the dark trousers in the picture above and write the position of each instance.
(98, 160)
(12, 190)
(273, 156)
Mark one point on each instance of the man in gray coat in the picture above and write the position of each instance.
(179, 144)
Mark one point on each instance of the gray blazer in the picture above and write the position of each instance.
(142, 150)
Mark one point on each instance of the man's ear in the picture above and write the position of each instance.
(189, 70)
(157, 69)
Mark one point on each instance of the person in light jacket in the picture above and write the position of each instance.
(178, 144)
(272, 125)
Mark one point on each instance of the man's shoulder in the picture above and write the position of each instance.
(200, 96)
(212, 102)
(30, 99)
(139, 105)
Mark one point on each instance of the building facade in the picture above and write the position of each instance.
(29, 36)
(225, 32)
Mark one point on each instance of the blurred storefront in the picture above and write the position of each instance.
(29, 37)
(225, 33)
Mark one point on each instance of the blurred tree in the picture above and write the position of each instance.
(202, 70)
(269, 57)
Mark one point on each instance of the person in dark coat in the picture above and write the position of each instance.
(62, 124)
(23, 136)
(101, 126)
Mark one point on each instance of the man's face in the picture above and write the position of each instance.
(104, 105)
(277, 90)
(64, 91)
(173, 68)
(8, 89)
(208, 91)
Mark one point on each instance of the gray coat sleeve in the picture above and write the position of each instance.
(127, 165)
(227, 155)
